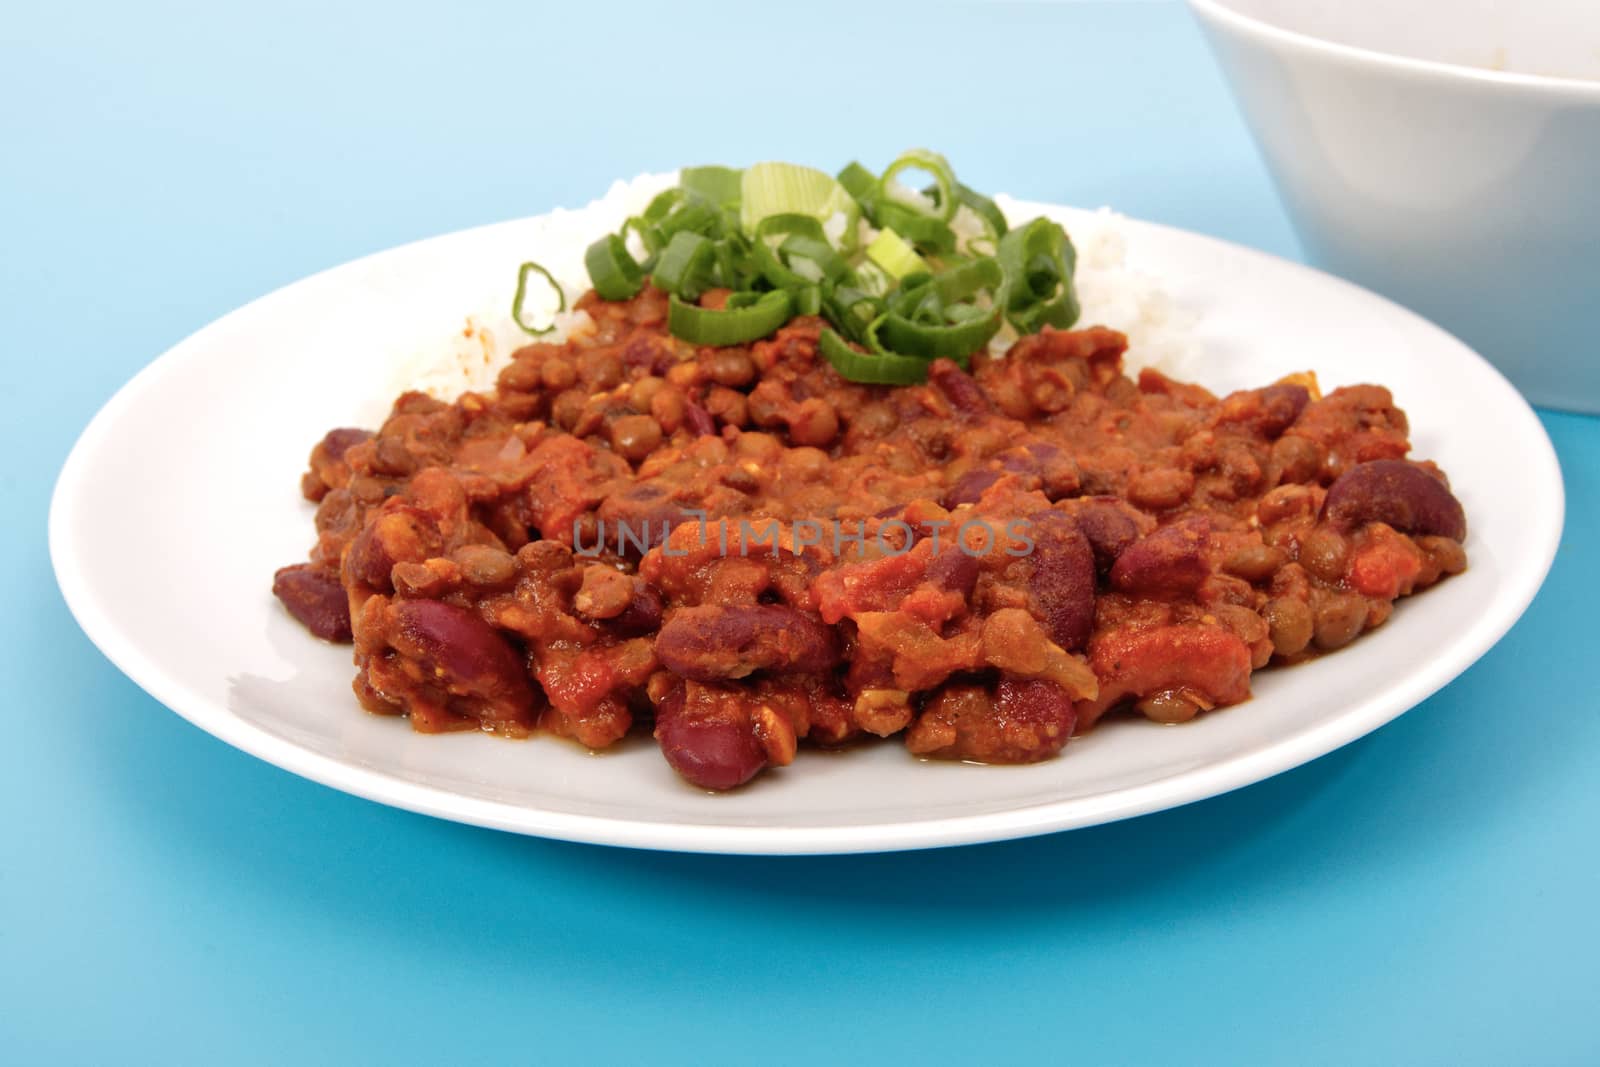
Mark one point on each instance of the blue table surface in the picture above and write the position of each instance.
(1427, 895)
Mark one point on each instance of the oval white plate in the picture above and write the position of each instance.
(180, 500)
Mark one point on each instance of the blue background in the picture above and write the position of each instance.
(1428, 895)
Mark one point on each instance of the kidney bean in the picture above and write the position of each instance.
(712, 746)
(1062, 584)
(648, 352)
(1108, 527)
(1043, 706)
(1029, 459)
(958, 387)
(1167, 562)
(714, 641)
(969, 487)
(643, 613)
(1281, 405)
(720, 738)
(398, 534)
(459, 652)
(954, 570)
(1399, 493)
(337, 442)
(698, 420)
(314, 596)
(1056, 470)
(645, 508)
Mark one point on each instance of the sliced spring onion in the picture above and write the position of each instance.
(662, 203)
(808, 301)
(786, 224)
(523, 273)
(788, 189)
(800, 256)
(746, 317)
(957, 340)
(985, 208)
(943, 201)
(932, 316)
(867, 367)
(693, 217)
(736, 263)
(785, 240)
(858, 181)
(852, 309)
(685, 266)
(614, 273)
(966, 280)
(715, 185)
(823, 261)
(649, 236)
(929, 235)
(1038, 261)
(891, 252)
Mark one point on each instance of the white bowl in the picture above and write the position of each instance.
(1445, 153)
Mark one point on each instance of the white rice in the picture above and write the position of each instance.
(1112, 289)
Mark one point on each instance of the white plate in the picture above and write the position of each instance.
(180, 500)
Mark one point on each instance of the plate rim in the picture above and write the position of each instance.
(1184, 787)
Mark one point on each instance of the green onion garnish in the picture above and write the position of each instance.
(942, 201)
(891, 252)
(1038, 261)
(789, 189)
(685, 266)
(785, 239)
(522, 294)
(718, 186)
(612, 270)
(869, 368)
(994, 220)
(746, 317)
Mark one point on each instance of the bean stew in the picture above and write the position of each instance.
(742, 552)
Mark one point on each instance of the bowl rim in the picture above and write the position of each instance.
(1222, 12)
